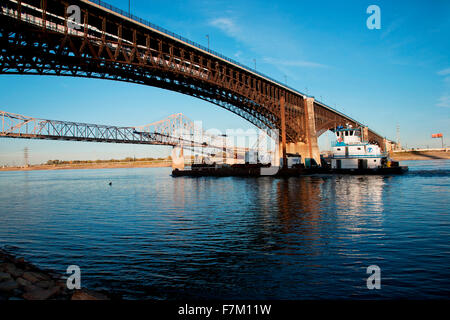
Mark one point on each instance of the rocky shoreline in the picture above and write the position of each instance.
(21, 280)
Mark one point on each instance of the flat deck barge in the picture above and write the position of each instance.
(253, 171)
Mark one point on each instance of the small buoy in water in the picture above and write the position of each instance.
(110, 183)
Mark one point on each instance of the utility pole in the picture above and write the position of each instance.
(25, 156)
(398, 136)
(207, 36)
(129, 7)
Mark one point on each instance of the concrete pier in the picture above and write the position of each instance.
(309, 149)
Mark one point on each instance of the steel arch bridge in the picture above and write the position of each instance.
(175, 130)
(41, 37)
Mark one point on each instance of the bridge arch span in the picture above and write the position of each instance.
(37, 37)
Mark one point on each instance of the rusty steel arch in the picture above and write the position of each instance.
(37, 37)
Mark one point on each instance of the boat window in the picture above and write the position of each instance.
(359, 148)
(346, 133)
(338, 149)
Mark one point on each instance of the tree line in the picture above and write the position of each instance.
(128, 159)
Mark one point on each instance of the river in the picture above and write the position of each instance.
(152, 236)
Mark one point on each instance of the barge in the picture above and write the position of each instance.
(349, 155)
(288, 172)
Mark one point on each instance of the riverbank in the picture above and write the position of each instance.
(21, 280)
(397, 156)
(420, 155)
(101, 165)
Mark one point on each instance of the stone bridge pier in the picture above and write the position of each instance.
(308, 149)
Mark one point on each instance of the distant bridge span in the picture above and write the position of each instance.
(176, 130)
(37, 37)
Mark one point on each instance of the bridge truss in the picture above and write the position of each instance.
(176, 130)
(37, 37)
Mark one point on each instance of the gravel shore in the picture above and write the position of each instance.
(20, 280)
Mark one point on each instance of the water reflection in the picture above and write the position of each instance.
(153, 236)
(348, 198)
(356, 194)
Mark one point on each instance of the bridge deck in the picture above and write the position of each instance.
(109, 43)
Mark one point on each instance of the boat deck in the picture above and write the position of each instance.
(290, 172)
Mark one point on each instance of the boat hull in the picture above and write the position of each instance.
(292, 172)
(372, 171)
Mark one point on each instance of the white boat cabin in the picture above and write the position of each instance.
(350, 152)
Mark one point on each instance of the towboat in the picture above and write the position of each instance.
(350, 154)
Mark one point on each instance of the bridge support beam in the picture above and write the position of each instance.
(311, 146)
(365, 136)
(283, 133)
(177, 158)
(309, 149)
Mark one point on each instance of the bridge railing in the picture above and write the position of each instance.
(54, 27)
(192, 43)
(167, 32)
(199, 46)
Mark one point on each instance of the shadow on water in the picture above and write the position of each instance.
(155, 237)
(283, 234)
(428, 173)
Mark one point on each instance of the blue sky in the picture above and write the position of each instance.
(399, 74)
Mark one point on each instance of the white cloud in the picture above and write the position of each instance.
(227, 25)
(444, 101)
(444, 72)
(294, 63)
(232, 27)
(393, 26)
